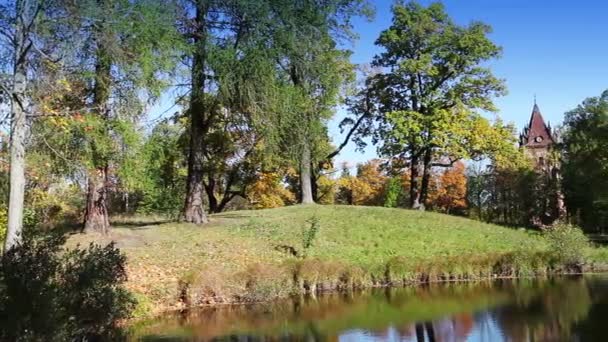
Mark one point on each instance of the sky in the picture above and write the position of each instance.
(556, 50)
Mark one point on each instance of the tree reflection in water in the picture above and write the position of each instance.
(525, 310)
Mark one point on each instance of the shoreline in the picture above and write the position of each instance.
(134, 321)
(321, 290)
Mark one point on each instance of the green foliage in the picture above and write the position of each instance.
(567, 244)
(585, 155)
(3, 222)
(161, 175)
(394, 191)
(55, 295)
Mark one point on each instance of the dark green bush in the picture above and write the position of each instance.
(48, 294)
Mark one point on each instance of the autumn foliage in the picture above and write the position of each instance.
(268, 192)
(449, 192)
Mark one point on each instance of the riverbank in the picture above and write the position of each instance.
(250, 256)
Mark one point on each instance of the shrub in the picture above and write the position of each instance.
(309, 234)
(49, 294)
(567, 244)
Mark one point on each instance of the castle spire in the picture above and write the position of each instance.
(537, 133)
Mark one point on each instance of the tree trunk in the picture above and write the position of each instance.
(305, 176)
(96, 215)
(19, 107)
(414, 183)
(314, 186)
(430, 331)
(194, 208)
(211, 199)
(419, 332)
(426, 178)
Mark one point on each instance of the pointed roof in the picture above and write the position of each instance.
(537, 133)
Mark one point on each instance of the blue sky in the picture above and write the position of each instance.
(555, 49)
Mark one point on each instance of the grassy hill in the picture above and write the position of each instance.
(258, 255)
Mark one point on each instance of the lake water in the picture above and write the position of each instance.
(563, 309)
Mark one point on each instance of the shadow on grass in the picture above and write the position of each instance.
(139, 225)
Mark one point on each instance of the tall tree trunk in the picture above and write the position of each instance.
(305, 176)
(415, 183)
(96, 215)
(194, 207)
(426, 178)
(19, 106)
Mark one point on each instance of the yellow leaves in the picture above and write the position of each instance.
(64, 84)
(268, 192)
(60, 122)
(367, 187)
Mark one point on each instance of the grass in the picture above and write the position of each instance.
(249, 256)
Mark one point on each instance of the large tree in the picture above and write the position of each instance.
(228, 54)
(23, 23)
(317, 73)
(124, 51)
(585, 162)
(420, 104)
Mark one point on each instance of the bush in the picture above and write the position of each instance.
(309, 234)
(49, 294)
(567, 244)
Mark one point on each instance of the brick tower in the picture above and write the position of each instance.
(538, 142)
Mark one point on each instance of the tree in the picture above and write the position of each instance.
(430, 81)
(161, 177)
(21, 25)
(232, 64)
(367, 187)
(316, 71)
(126, 49)
(585, 152)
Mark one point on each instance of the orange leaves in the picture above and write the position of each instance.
(448, 190)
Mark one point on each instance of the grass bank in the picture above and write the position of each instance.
(249, 256)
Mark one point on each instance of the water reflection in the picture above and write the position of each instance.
(524, 310)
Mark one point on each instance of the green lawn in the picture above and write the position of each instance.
(249, 255)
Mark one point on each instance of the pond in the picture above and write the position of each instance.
(573, 308)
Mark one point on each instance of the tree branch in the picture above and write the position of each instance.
(448, 164)
(348, 136)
